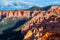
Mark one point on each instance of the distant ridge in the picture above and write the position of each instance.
(43, 8)
(34, 8)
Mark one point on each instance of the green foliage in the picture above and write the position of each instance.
(8, 23)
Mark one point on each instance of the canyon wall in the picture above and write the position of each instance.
(27, 13)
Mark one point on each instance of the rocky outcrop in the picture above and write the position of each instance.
(43, 26)
(28, 13)
(18, 13)
(43, 30)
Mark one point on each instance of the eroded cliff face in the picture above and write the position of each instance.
(28, 13)
(46, 28)
(18, 13)
(43, 26)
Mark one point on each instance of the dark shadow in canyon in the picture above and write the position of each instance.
(9, 34)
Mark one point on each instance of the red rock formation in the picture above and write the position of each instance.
(34, 13)
(0, 13)
(10, 14)
(26, 14)
(19, 14)
(15, 14)
(58, 10)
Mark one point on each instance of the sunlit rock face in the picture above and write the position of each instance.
(43, 26)
(58, 10)
(47, 27)
(28, 13)
(0, 13)
(54, 7)
(19, 13)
